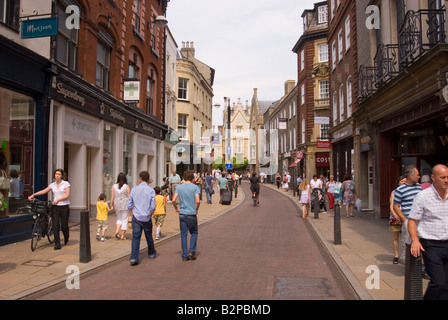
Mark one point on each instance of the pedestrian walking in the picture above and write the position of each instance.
(305, 197)
(160, 212)
(330, 191)
(223, 185)
(285, 182)
(403, 198)
(428, 219)
(120, 192)
(61, 206)
(209, 191)
(349, 194)
(141, 205)
(173, 181)
(188, 195)
(395, 221)
(102, 210)
(278, 180)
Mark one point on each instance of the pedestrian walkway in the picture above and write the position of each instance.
(23, 272)
(366, 242)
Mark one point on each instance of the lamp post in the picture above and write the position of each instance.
(229, 163)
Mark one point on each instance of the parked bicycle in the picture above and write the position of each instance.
(43, 225)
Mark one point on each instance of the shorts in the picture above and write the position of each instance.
(159, 219)
(102, 224)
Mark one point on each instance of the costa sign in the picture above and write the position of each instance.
(322, 159)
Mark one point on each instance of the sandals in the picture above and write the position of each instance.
(395, 260)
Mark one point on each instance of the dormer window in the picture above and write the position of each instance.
(322, 14)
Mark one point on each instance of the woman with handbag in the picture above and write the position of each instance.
(61, 211)
(119, 199)
(394, 220)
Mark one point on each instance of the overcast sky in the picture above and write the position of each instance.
(248, 43)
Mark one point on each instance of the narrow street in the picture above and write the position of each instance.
(251, 253)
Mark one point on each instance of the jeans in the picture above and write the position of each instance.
(137, 228)
(208, 195)
(188, 223)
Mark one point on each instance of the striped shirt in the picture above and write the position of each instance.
(431, 212)
(404, 196)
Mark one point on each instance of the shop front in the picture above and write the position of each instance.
(95, 137)
(342, 150)
(23, 127)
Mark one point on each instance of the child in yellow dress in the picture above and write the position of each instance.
(102, 209)
(160, 212)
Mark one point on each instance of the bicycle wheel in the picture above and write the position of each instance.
(36, 234)
(50, 233)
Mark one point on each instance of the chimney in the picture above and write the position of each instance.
(289, 86)
(188, 50)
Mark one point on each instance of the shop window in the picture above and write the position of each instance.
(108, 159)
(16, 151)
(128, 156)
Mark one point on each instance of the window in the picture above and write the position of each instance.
(108, 157)
(349, 97)
(9, 13)
(333, 55)
(303, 131)
(347, 34)
(183, 89)
(182, 126)
(66, 41)
(302, 94)
(340, 44)
(332, 9)
(302, 60)
(137, 12)
(323, 52)
(324, 128)
(335, 108)
(104, 48)
(322, 14)
(341, 103)
(324, 89)
(149, 95)
(127, 156)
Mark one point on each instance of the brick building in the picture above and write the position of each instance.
(313, 97)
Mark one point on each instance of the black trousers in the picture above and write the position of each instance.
(435, 258)
(60, 223)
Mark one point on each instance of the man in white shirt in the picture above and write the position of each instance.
(428, 228)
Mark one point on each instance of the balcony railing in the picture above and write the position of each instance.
(419, 33)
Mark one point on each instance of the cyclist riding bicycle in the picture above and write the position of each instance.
(255, 186)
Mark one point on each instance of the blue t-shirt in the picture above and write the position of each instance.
(404, 195)
(187, 197)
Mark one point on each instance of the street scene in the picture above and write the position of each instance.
(273, 152)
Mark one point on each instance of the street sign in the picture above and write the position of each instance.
(36, 28)
(228, 150)
(229, 166)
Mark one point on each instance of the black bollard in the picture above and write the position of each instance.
(337, 223)
(84, 238)
(316, 207)
(413, 284)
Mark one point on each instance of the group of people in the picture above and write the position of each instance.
(337, 191)
(137, 206)
(420, 212)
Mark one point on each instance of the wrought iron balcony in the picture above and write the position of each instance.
(420, 32)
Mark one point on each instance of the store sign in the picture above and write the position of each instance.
(37, 28)
(322, 159)
(323, 144)
(282, 123)
(79, 126)
(131, 91)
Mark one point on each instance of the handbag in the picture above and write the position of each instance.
(393, 221)
(5, 183)
(210, 189)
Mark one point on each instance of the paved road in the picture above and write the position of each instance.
(266, 252)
